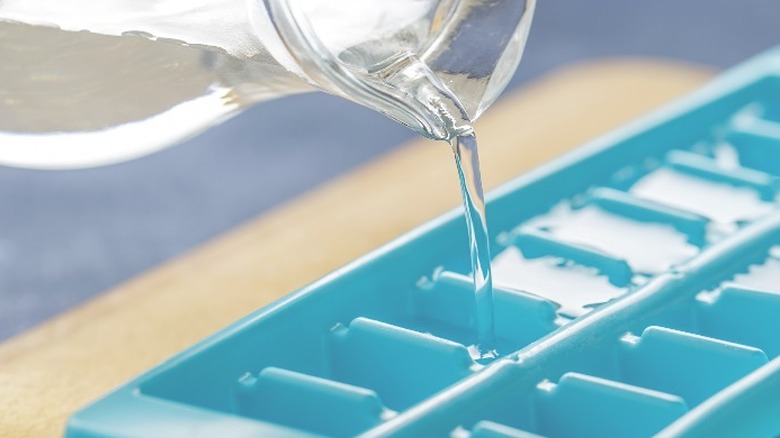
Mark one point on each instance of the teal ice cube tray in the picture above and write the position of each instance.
(638, 293)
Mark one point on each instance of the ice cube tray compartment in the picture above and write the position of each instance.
(666, 350)
(637, 292)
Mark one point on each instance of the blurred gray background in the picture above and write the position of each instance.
(67, 236)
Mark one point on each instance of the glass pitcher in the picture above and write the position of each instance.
(85, 83)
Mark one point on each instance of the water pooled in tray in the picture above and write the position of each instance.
(721, 202)
(649, 248)
(764, 276)
(726, 155)
(575, 288)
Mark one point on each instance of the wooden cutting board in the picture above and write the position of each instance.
(52, 370)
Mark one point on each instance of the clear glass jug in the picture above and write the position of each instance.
(86, 83)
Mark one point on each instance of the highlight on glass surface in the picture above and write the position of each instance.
(88, 83)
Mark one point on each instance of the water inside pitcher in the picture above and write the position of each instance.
(86, 83)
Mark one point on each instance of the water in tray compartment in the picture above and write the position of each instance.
(649, 248)
(575, 288)
(721, 202)
(765, 276)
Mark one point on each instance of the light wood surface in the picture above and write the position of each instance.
(52, 370)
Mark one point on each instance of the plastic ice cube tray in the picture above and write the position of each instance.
(638, 293)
